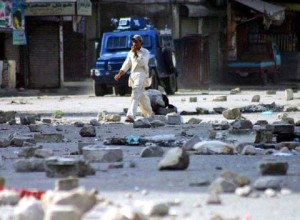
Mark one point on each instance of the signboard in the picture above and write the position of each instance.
(49, 8)
(84, 7)
(18, 22)
(5, 13)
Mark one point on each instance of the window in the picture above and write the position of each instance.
(116, 42)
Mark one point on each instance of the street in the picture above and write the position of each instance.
(138, 178)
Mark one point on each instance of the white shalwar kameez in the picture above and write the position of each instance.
(137, 79)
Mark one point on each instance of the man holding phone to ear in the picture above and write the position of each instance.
(137, 60)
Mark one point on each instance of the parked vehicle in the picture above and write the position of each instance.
(258, 58)
(115, 47)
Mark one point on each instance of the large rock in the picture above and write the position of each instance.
(213, 147)
(232, 113)
(30, 209)
(78, 198)
(175, 159)
(88, 131)
(61, 167)
(272, 167)
(288, 94)
(98, 153)
(29, 165)
(152, 151)
(59, 212)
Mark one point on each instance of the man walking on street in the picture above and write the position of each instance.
(137, 60)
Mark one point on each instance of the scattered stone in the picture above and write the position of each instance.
(4, 142)
(27, 119)
(249, 150)
(83, 144)
(255, 98)
(157, 123)
(263, 136)
(29, 165)
(48, 138)
(271, 92)
(88, 131)
(269, 108)
(189, 145)
(162, 118)
(100, 154)
(112, 118)
(153, 208)
(266, 182)
(43, 153)
(47, 120)
(34, 128)
(61, 167)
(152, 151)
(232, 113)
(66, 184)
(243, 191)
(193, 99)
(291, 109)
(28, 151)
(242, 124)
(285, 191)
(281, 128)
(7, 116)
(288, 94)
(202, 111)
(271, 167)
(219, 110)
(199, 183)
(174, 119)
(78, 124)
(220, 185)
(65, 212)
(9, 197)
(19, 141)
(94, 122)
(235, 91)
(30, 209)
(223, 125)
(213, 199)
(79, 198)
(194, 121)
(270, 193)
(220, 99)
(213, 147)
(175, 159)
(142, 123)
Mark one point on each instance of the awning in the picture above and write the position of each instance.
(197, 11)
(272, 12)
(58, 7)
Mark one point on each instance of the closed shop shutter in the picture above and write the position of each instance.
(43, 49)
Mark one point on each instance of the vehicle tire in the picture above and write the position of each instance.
(120, 90)
(100, 89)
(168, 59)
(170, 84)
(264, 78)
(154, 84)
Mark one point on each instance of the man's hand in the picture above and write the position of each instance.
(119, 75)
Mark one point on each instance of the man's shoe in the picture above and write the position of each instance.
(129, 119)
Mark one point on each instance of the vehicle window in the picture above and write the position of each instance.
(116, 42)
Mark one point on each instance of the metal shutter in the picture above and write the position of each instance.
(43, 48)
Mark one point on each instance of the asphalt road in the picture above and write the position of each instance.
(115, 184)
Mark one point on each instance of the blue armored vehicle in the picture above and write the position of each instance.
(115, 47)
